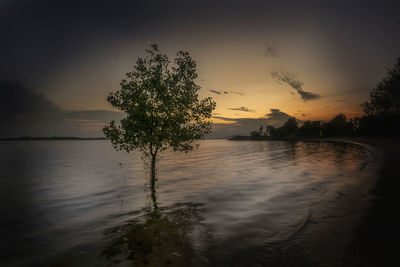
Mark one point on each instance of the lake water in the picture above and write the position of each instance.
(229, 203)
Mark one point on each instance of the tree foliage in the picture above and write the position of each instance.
(255, 133)
(310, 129)
(385, 97)
(338, 126)
(290, 127)
(161, 104)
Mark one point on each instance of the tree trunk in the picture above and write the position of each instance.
(153, 176)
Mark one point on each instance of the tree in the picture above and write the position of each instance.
(289, 128)
(162, 108)
(271, 131)
(254, 134)
(338, 126)
(310, 129)
(385, 97)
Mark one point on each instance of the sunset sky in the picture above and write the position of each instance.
(257, 59)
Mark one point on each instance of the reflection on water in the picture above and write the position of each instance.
(158, 237)
(81, 203)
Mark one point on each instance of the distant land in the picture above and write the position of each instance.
(51, 138)
(260, 138)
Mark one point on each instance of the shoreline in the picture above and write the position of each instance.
(335, 239)
(376, 233)
(378, 237)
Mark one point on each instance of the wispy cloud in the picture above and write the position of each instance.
(219, 92)
(236, 93)
(291, 79)
(245, 109)
(222, 92)
(271, 51)
(215, 92)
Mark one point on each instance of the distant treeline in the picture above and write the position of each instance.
(30, 138)
(386, 124)
(382, 116)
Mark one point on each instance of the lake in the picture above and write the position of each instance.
(229, 203)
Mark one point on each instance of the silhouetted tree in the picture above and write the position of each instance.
(162, 108)
(338, 126)
(383, 109)
(254, 134)
(290, 127)
(385, 97)
(310, 129)
(271, 130)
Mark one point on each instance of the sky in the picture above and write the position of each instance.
(261, 61)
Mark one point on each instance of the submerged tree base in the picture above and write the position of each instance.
(157, 238)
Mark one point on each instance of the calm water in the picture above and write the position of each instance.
(232, 203)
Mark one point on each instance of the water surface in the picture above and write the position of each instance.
(228, 203)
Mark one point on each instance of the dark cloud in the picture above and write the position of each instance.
(245, 109)
(235, 126)
(219, 92)
(23, 112)
(215, 92)
(307, 95)
(291, 79)
(71, 31)
(271, 51)
(99, 115)
(276, 117)
(244, 126)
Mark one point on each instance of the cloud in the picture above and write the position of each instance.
(244, 126)
(245, 109)
(271, 51)
(276, 117)
(27, 113)
(236, 93)
(220, 92)
(215, 92)
(235, 126)
(291, 79)
(99, 115)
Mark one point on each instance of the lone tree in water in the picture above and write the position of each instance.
(162, 108)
